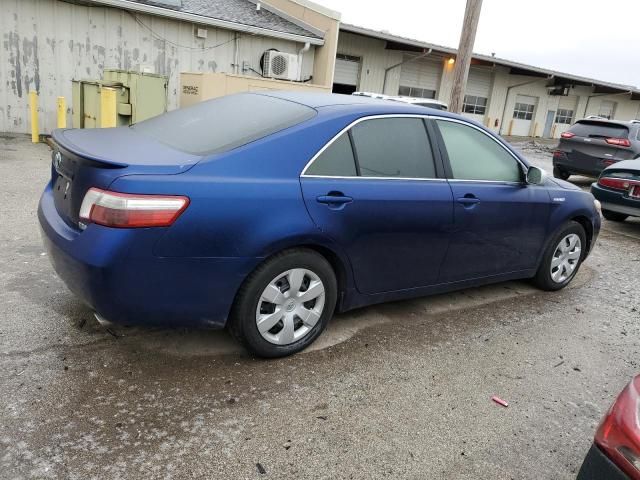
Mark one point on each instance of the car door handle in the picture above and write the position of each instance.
(334, 200)
(469, 200)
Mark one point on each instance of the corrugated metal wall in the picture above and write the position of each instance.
(375, 58)
(48, 43)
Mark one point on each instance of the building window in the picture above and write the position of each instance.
(416, 92)
(607, 109)
(564, 116)
(523, 111)
(475, 105)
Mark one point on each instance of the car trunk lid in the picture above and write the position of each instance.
(82, 159)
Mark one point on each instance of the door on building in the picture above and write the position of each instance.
(548, 124)
(347, 73)
(420, 77)
(477, 94)
(523, 114)
(565, 115)
(607, 109)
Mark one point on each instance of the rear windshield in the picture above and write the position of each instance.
(599, 130)
(224, 123)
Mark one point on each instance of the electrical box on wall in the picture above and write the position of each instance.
(201, 32)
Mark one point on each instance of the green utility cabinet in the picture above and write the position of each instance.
(138, 95)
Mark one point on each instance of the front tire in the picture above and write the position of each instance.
(285, 304)
(614, 216)
(561, 174)
(562, 258)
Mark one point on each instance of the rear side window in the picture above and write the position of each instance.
(599, 130)
(336, 161)
(393, 147)
(473, 155)
(224, 123)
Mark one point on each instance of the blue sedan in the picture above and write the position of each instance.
(269, 212)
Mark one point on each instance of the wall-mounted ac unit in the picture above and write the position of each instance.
(280, 65)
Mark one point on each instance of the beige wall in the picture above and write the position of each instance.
(196, 87)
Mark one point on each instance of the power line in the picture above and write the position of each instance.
(160, 37)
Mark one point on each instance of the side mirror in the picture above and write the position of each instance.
(535, 176)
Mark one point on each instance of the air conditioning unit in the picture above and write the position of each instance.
(283, 66)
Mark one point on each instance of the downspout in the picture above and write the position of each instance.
(301, 52)
(386, 70)
(506, 98)
(236, 53)
(586, 107)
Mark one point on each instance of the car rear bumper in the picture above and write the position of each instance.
(597, 466)
(616, 201)
(578, 167)
(115, 272)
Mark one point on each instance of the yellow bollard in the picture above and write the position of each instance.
(108, 112)
(35, 129)
(62, 113)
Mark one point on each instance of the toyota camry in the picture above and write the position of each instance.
(268, 212)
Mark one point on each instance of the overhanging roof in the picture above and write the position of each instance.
(517, 68)
(237, 15)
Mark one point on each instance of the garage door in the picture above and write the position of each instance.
(476, 96)
(565, 114)
(523, 114)
(347, 70)
(420, 78)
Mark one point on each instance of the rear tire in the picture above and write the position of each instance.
(284, 279)
(562, 258)
(561, 174)
(614, 216)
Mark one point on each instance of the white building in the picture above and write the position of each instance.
(509, 97)
(49, 43)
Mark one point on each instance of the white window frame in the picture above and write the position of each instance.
(523, 111)
(564, 116)
(474, 104)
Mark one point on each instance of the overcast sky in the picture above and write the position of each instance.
(594, 38)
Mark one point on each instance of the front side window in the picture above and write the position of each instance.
(474, 105)
(336, 160)
(564, 116)
(393, 147)
(473, 155)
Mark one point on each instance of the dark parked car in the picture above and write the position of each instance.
(591, 145)
(618, 190)
(267, 212)
(615, 453)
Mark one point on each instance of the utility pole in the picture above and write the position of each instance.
(465, 50)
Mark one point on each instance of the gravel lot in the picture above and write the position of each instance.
(398, 391)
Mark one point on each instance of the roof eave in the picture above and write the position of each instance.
(496, 60)
(203, 20)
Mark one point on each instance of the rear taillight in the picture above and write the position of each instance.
(619, 433)
(567, 135)
(559, 154)
(125, 210)
(619, 142)
(616, 183)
